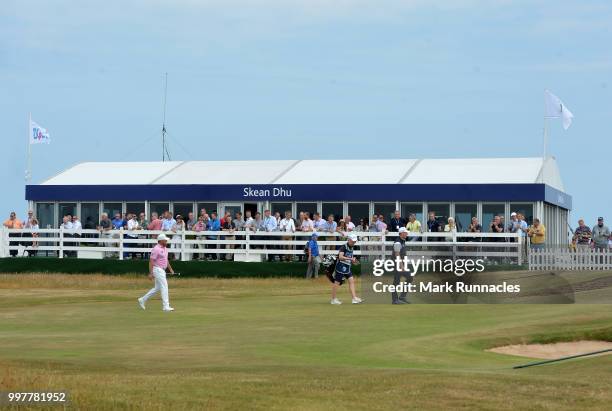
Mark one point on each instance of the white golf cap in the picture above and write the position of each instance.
(513, 214)
(162, 237)
(402, 230)
(352, 237)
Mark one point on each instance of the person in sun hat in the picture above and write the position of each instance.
(343, 270)
(158, 264)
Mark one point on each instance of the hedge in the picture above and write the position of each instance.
(221, 269)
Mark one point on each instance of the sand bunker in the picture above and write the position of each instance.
(552, 351)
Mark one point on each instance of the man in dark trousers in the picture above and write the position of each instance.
(399, 251)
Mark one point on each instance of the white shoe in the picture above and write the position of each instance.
(335, 301)
(168, 309)
(141, 303)
(357, 300)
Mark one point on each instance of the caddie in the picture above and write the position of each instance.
(343, 270)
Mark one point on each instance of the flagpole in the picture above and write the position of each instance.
(29, 169)
(545, 133)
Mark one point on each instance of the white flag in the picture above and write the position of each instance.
(556, 109)
(38, 134)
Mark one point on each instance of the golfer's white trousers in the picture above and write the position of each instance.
(161, 285)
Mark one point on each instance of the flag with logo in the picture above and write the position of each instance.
(38, 134)
(555, 108)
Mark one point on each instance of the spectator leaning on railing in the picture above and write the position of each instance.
(433, 226)
(143, 224)
(582, 235)
(105, 228)
(514, 226)
(67, 226)
(397, 222)
(496, 227)
(28, 221)
(228, 226)
(168, 222)
(350, 226)
(330, 227)
(131, 234)
(213, 224)
(601, 235)
(307, 224)
(380, 224)
(474, 227)
(537, 234)
(178, 229)
(249, 221)
(155, 224)
(451, 227)
(269, 225)
(118, 221)
(28, 226)
(198, 227)
(34, 244)
(13, 222)
(317, 222)
(77, 231)
(287, 225)
(414, 227)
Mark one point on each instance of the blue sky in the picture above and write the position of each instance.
(299, 79)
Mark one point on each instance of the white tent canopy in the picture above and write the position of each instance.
(394, 171)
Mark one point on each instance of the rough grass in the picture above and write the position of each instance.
(277, 344)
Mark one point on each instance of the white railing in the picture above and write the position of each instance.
(249, 245)
(566, 258)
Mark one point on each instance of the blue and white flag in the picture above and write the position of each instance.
(38, 134)
(556, 109)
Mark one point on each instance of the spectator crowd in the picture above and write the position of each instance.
(131, 225)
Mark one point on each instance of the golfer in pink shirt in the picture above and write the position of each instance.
(158, 263)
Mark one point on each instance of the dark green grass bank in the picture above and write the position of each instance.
(196, 269)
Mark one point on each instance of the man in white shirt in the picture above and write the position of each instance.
(68, 232)
(28, 222)
(350, 226)
(76, 224)
(249, 221)
(287, 225)
(307, 224)
(132, 227)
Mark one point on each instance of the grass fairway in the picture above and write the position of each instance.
(278, 344)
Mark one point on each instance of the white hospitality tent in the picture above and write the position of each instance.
(481, 187)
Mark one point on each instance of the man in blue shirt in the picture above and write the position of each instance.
(118, 222)
(330, 226)
(270, 224)
(168, 222)
(314, 259)
(213, 224)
